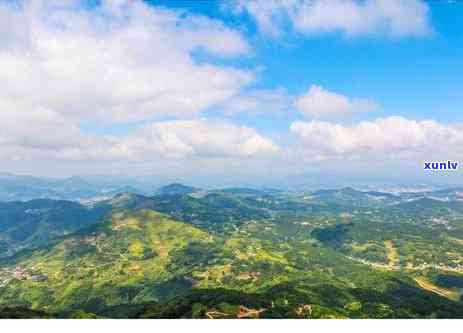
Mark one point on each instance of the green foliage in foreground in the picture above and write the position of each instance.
(143, 264)
(23, 313)
(236, 253)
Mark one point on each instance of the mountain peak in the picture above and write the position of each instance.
(177, 188)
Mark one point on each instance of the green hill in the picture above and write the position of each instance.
(177, 189)
(27, 225)
(130, 254)
(223, 254)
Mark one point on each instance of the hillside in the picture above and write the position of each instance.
(233, 253)
(104, 265)
(177, 189)
(27, 225)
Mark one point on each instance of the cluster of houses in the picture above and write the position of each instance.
(254, 276)
(457, 268)
(20, 274)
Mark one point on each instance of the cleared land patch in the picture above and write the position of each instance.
(456, 240)
(392, 254)
(425, 284)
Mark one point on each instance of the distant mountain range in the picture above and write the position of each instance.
(23, 188)
(32, 223)
(91, 188)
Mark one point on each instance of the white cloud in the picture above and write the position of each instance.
(14, 31)
(198, 138)
(318, 102)
(36, 128)
(52, 137)
(122, 61)
(394, 18)
(269, 15)
(383, 136)
(62, 64)
(258, 102)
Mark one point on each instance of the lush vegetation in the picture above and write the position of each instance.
(236, 253)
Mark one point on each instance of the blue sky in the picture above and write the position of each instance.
(179, 87)
(413, 77)
(417, 77)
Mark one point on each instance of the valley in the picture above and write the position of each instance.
(234, 253)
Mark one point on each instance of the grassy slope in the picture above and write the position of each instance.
(146, 258)
(107, 266)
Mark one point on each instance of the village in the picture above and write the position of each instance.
(19, 273)
(456, 268)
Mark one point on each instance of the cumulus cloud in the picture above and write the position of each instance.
(383, 136)
(53, 137)
(200, 138)
(62, 64)
(318, 102)
(120, 61)
(39, 134)
(394, 18)
(258, 102)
